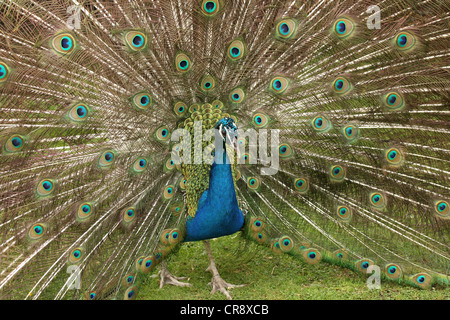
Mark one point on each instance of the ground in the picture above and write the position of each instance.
(270, 276)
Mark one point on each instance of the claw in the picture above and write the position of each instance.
(217, 282)
(168, 278)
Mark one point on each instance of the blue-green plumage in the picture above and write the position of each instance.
(218, 212)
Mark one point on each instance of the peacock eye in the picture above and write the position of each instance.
(321, 124)
(341, 85)
(180, 108)
(92, 296)
(279, 85)
(106, 159)
(364, 265)
(405, 41)
(45, 187)
(36, 231)
(210, 8)
(377, 200)
(142, 101)
(168, 192)
(343, 28)
(162, 134)
(394, 101)
(135, 40)
(337, 173)
(236, 50)
(442, 209)
(286, 29)
(254, 183)
(4, 72)
(237, 95)
(312, 255)
(138, 41)
(66, 43)
(63, 43)
(207, 83)
(285, 151)
(15, 143)
(351, 133)
(182, 62)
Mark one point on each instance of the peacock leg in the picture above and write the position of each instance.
(217, 282)
(168, 278)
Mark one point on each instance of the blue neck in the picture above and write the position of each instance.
(218, 212)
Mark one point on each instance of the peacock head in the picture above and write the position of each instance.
(228, 130)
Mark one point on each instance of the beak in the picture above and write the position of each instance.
(230, 137)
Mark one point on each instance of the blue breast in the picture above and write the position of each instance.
(218, 212)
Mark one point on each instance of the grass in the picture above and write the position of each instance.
(271, 277)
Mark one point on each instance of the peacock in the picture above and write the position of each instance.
(317, 129)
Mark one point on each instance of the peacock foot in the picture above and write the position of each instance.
(169, 278)
(217, 282)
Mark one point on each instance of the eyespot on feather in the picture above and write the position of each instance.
(256, 224)
(344, 213)
(301, 185)
(341, 85)
(107, 159)
(75, 256)
(142, 101)
(84, 211)
(5, 72)
(394, 101)
(423, 280)
(442, 209)
(63, 44)
(135, 40)
(312, 256)
(37, 231)
(162, 134)
(182, 63)
(254, 184)
(363, 264)
(210, 8)
(321, 124)
(14, 143)
(279, 85)
(377, 200)
(285, 29)
(286, 244)
(168, 192)
(45, 187)
(344, 28)
(338, 173)
(128, 215)
(285, 151)
(207, 84)
(130, 293)
(237, 96)
(393, 271)
(405, 41)
(236, 50)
